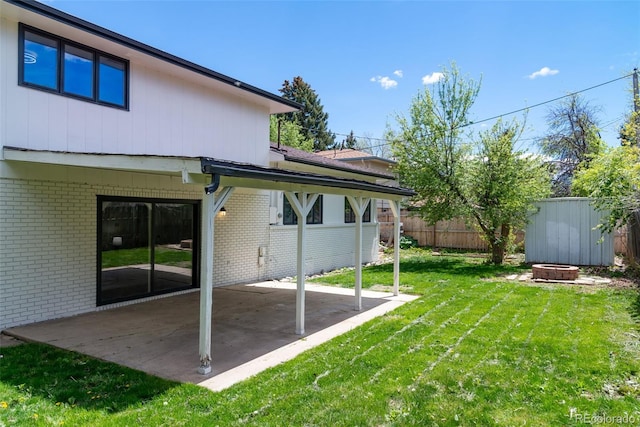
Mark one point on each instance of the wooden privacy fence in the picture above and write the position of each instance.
(455, 234)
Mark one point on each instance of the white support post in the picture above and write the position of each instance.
(301, 203)
(210, 207)
(395, 208)
(359, 205)
(206, 282)
(300, 268)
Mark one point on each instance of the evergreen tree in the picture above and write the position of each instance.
(311, 120)
(350, 143)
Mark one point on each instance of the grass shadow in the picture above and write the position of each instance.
(420, 270)
(635, 309)
(448, 265)
(69, 378)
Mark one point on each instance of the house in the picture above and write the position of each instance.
(118, 161)
(360, 158)
(367, 160)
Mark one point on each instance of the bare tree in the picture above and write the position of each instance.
(572, 140)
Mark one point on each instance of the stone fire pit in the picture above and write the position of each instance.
(554, 272)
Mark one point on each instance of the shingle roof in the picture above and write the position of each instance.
(351, 154)
(300, 156)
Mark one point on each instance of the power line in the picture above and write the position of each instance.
(546, 102)
(388, 141)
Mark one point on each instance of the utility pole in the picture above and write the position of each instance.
(636, 105)
(633, 226)
(636, 96)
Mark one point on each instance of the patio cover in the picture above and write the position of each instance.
(300, 188)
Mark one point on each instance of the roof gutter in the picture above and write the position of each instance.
(327, 166)
(218, 168)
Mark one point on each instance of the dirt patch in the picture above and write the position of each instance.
(624, 283)
(586, 280)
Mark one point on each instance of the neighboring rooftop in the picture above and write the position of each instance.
(349, 154)
(317, 159)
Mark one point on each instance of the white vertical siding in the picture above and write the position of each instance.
(169, 115)
(562, 232)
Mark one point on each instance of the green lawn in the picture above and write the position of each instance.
(136, 256)
(475, 349)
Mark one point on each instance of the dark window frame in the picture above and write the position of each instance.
(314, 217)
(195, 265)
(59, 89)
(350, 215)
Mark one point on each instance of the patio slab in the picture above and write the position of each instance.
(253, 329)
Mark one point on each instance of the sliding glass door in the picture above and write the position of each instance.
(145, 247)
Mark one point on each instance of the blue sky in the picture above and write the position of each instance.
(367, 59)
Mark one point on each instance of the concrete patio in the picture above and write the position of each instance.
(253, 329)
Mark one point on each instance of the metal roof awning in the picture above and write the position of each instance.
(252, 176)
(225, 173)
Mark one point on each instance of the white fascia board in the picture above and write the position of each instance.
(259, 184)
(169, 165)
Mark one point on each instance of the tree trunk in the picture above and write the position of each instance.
(498, 244)
(633, 237)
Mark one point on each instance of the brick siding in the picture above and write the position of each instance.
(48, 232)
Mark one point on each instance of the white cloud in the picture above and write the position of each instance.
(385, 82)
(398, 73)
(432, 78)
(543, 72)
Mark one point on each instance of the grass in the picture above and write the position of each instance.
(474, 349)
(135, 256)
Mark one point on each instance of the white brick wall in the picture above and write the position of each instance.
(48, 240)
(328, 247)
(48, 250)
(238, 235)
(48, 231)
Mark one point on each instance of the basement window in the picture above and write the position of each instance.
(61, 66)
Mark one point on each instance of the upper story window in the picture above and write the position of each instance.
(61, 66)
(289, 217)
(350, 215)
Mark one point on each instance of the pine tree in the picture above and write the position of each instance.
(312, 120)
(351, 142)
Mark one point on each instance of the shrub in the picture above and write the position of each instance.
(407, 242)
